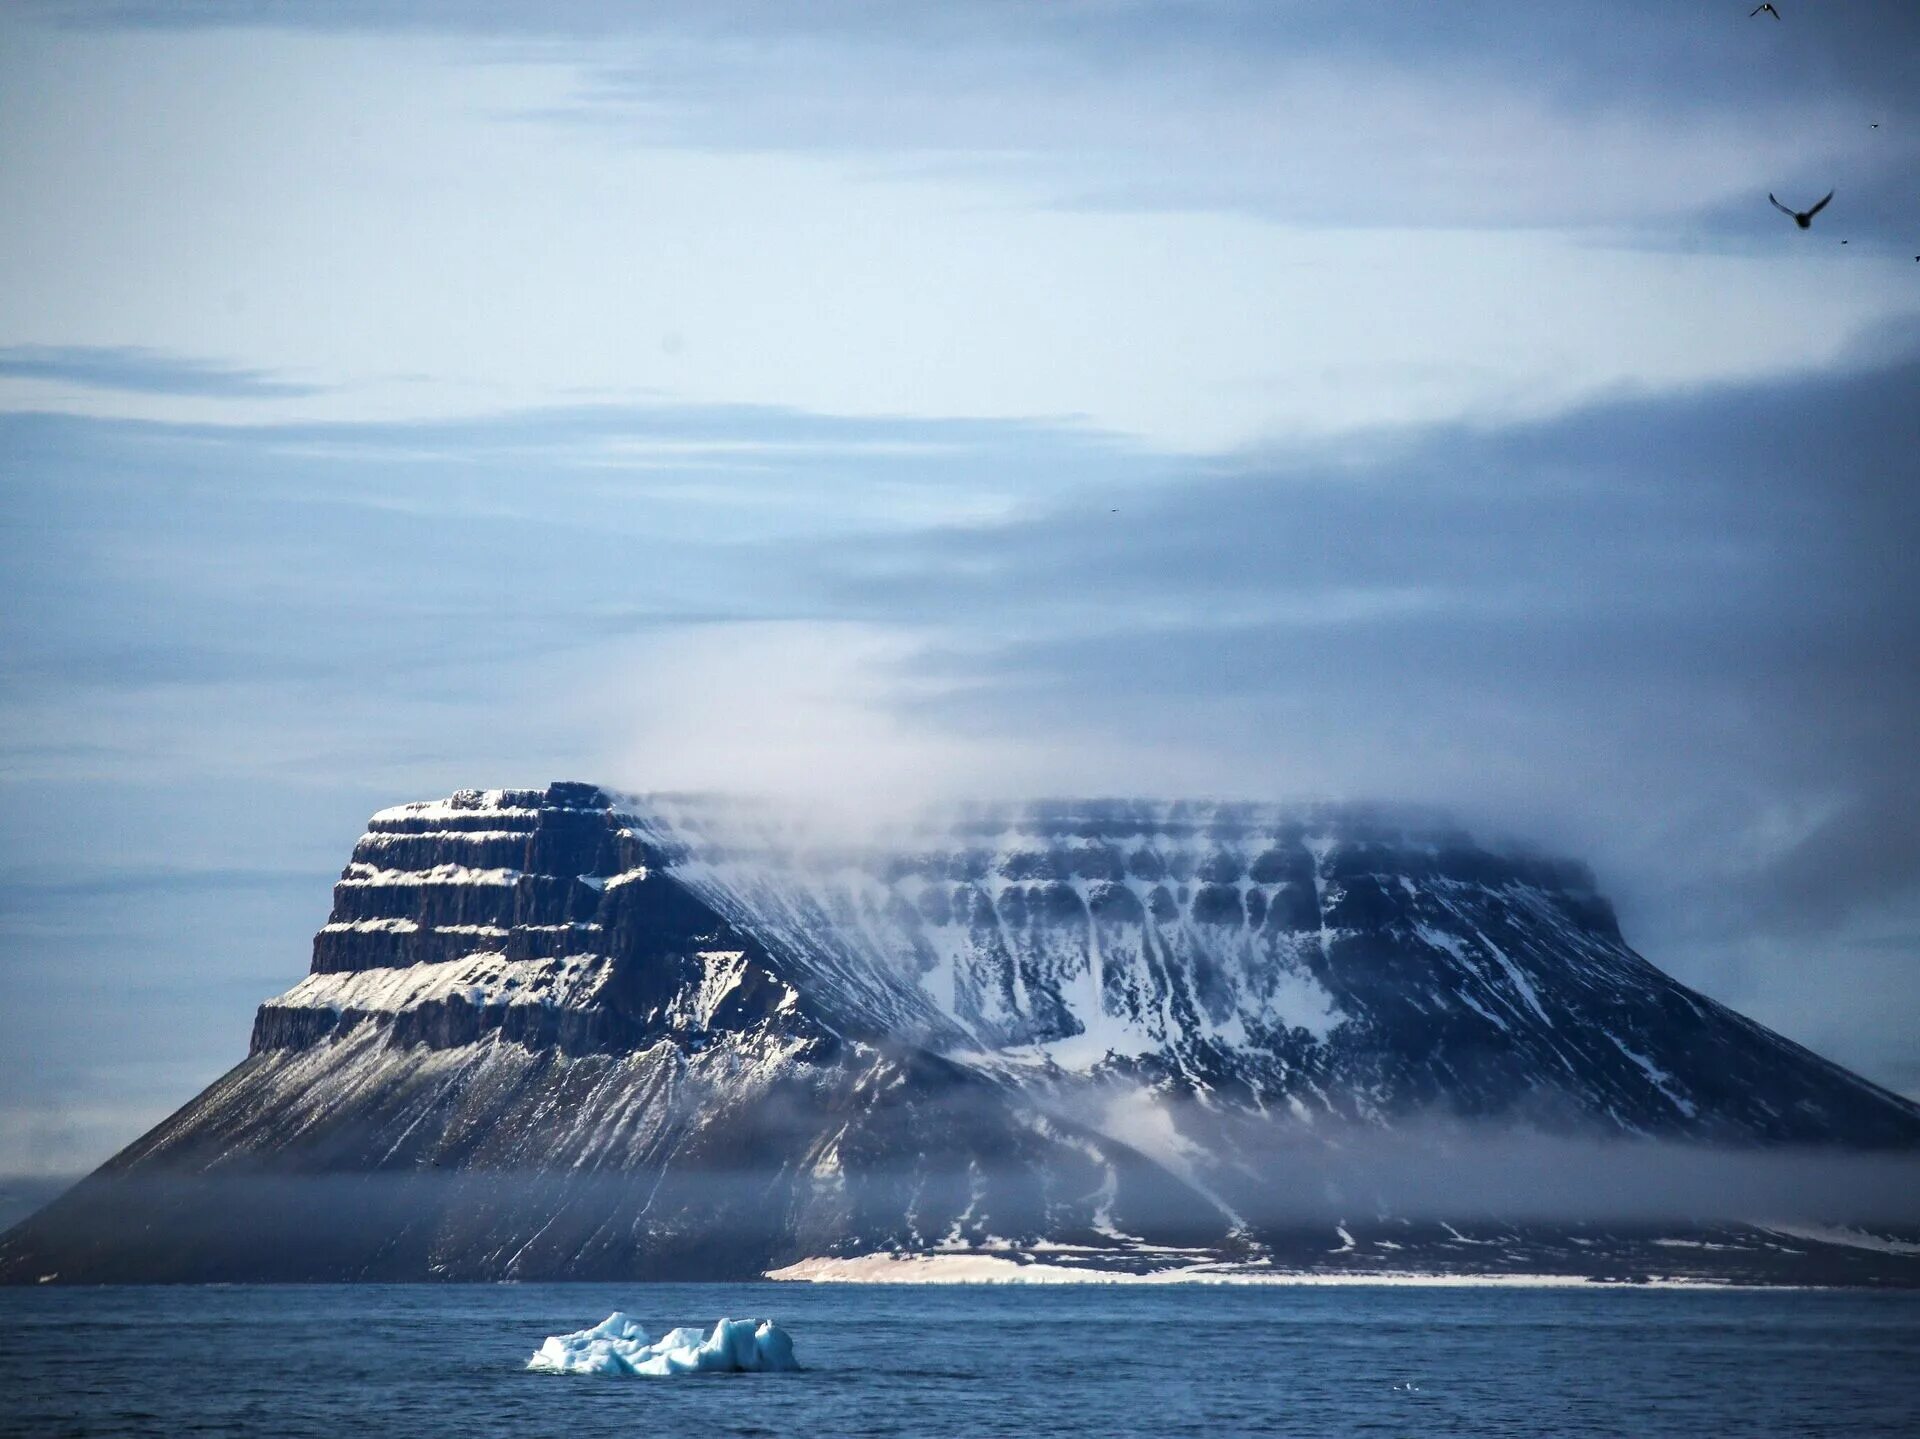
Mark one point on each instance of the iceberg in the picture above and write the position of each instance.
(618, 1345)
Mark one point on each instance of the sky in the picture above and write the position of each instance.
(874, 403)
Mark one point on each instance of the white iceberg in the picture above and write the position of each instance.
(618, 1345)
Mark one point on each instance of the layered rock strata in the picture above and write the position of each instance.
(560, 1033)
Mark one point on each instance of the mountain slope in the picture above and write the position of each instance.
(558, 1034)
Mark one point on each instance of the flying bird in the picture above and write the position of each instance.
(1767, 8)
(1802, 218)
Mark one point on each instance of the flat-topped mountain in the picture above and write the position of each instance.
(561, 1033)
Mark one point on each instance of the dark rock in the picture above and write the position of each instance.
(548, 1033)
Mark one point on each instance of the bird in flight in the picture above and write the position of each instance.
(1802, 218)
(1768, 9)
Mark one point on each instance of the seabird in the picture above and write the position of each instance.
(1768, 8)
(1802, 218)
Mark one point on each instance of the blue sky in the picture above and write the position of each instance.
(1258, 400)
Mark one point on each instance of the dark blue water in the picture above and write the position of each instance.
(421, 1361)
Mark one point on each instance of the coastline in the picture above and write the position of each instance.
(997, 1269)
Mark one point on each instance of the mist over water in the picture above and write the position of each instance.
(1468, 1173)
(1277, 1177)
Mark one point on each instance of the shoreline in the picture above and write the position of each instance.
(997, 1269)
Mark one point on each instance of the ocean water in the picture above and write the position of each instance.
(929, 1361)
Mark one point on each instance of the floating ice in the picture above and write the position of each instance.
(618, 1345)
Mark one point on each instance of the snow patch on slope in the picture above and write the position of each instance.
(481, 979)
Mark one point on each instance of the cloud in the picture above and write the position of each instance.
(1510, 114)
(1192, 243)
(1649, 600)
(1715, 577)
(1671, 634)
(226, 645)
(802, 709)
(1663, 632)
(361, 559)
(143, 371)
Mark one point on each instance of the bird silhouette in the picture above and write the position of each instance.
(1802, 218)
(1768, 8)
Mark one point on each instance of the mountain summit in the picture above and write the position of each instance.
(566, 1034)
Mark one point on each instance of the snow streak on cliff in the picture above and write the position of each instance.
(563, 1032)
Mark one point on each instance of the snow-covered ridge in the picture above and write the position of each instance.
(358, 873)
(501, 803)
(480, 979)
(1326, 961)
(1111, 1037)
(375, 838)
(1093, 929)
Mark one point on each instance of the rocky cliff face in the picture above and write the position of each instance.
(559, 1033)
(1339, 963)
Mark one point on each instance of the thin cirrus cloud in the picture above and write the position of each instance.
(1507, 114)
(376, 553)
(1171, 235)
(1660, 124)
(135, 369)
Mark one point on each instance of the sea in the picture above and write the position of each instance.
(1084, 1361)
